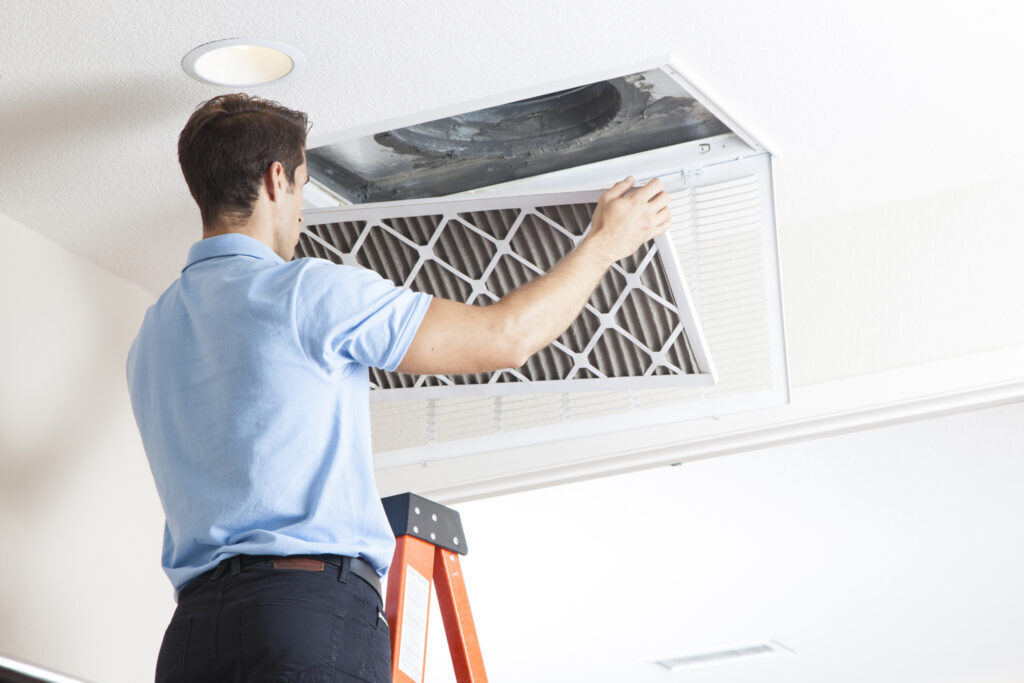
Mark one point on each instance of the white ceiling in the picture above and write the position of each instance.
(864, 104)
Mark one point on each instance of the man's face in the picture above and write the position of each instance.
(290, 216)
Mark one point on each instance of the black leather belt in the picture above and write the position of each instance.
(315, 563)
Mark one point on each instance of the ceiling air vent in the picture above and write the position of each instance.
(726, 655)
(469, 202)
(638, 329)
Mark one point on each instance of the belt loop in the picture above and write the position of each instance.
(344, 568)
(219, 570)
(236, 565)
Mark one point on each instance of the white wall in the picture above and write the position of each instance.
(81, 590)
(891, 555)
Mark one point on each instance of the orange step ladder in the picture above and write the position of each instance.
(428, 542)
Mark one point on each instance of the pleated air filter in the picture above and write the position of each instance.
(638, 329)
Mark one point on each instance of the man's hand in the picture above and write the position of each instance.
(624, 220)
(456, 338)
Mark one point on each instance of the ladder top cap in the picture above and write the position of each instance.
(413, 515)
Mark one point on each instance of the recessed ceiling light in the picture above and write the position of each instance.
(242, 61)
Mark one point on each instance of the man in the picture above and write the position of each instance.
(249, 384)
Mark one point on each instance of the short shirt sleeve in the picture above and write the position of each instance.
(346, 314)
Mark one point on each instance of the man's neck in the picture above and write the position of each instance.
(258, 226)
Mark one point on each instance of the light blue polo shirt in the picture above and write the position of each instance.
(249, 384)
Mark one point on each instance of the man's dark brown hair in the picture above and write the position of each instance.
(228, 144)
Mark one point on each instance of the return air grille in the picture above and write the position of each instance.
(723, 234)
(632, 327)
(718, 656)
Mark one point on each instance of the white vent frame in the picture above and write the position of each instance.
(375, 216)
(583, 416)
(497, 446)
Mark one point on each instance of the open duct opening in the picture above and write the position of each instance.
(512, 129)
(553, 132)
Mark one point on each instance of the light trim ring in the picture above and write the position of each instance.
(243, 62)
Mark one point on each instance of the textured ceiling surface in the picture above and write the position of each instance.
(862, 102)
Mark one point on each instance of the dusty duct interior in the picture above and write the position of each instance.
(630, 327)
(552, 132)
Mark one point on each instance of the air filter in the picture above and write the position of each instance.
(639, 326)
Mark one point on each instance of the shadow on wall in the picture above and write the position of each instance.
(88, 163)
(39, 130)
(153, 241)
(75, 493)
(68, 327)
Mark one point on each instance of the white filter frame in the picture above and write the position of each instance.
(374, 216)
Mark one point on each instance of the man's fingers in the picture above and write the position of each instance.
(656, 210)
(618, 189)
(650, 190)
(661, 221)
(660, 200)
(657, 205)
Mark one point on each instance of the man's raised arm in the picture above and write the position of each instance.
(457, 338)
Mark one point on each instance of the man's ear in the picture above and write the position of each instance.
(274, 180)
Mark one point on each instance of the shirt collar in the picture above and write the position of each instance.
(230, 244)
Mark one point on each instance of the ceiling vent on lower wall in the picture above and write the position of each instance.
(725, 655)
(470, 202)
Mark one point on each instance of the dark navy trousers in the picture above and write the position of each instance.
(247, 622)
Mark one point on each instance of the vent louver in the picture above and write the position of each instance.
(639, 323)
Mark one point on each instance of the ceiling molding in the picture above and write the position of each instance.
(846, 405)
